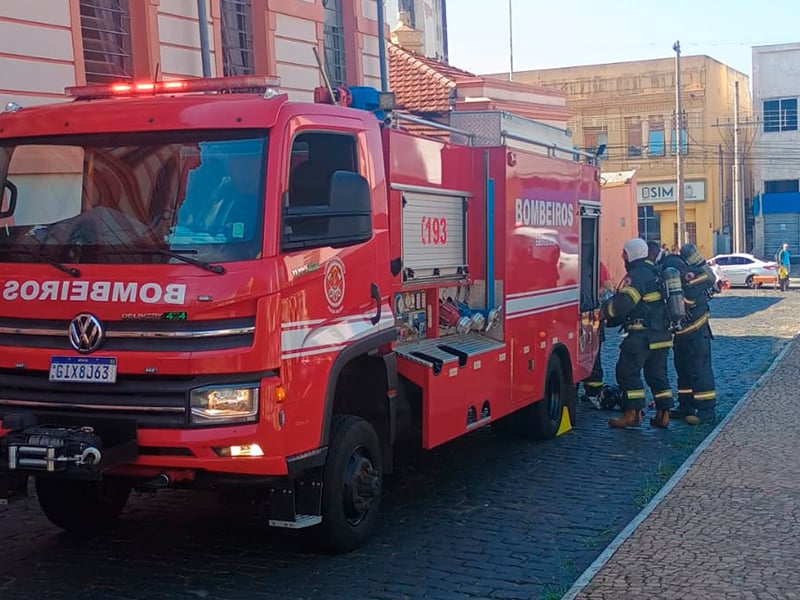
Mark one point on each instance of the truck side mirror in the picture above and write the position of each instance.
(350, 214)
(8, 199)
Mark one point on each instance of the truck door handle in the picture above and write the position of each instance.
(375, 293)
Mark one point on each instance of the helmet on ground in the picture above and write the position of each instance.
(610, 396)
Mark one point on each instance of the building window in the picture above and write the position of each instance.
(408, 7)
(781, 186)
(780, 115)
(106, 32)
(655, 141)
(596, 141)
(649, 224)
(237, 37)
(691, 233)
(334, 43)
(633, 128)
(684, 142)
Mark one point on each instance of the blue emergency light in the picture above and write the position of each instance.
(370, 99)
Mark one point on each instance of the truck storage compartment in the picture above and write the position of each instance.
(434, 235)
(461, 378)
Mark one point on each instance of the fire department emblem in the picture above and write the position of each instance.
(334, 284)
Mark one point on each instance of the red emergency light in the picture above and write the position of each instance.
(240, 83)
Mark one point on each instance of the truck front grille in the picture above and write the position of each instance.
(135, 336)
(152, 402)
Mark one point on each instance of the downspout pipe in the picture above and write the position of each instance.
(382, 45)
(490, 184)
(205, 51)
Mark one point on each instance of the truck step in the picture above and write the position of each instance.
(301, 522)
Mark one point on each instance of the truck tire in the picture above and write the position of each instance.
(351, 486)
(81, 506)
(548, 413)
(542, 419)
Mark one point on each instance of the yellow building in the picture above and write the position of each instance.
(629, 108)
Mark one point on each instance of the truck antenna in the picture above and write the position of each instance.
(324, 75)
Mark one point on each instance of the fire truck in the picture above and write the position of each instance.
(208, 286)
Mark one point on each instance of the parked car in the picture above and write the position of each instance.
(740, 269)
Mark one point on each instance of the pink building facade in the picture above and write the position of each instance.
(619, 218)
(74, 42)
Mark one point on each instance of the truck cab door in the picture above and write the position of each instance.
(588, 335)
(332, 298)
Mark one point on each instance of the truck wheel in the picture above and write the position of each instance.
(352, 484)
(81, 506)
(547, 413)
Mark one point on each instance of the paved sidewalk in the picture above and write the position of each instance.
(730, 527)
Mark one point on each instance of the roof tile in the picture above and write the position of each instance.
(420, 84)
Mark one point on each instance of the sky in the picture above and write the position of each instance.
(560, 33)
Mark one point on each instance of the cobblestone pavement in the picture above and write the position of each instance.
(478, 518)
(728, 529)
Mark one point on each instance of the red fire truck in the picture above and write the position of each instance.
(206, 285)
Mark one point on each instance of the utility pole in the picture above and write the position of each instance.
(738, 242)
(510, 44)
(678, 146)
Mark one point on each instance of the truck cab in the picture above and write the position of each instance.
(176, 271)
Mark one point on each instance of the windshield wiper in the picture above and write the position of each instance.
(48, 259)
(179, 254)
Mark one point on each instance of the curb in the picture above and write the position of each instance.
(586, 577)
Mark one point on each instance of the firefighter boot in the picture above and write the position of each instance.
(631, 417)
(686, 407)
(661, 419)
(703, 415)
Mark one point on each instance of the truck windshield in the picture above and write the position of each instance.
(133, 198)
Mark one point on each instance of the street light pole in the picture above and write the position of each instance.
(678, 150)
(510, 44)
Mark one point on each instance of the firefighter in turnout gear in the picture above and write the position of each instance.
(697, 396)
(639, 307)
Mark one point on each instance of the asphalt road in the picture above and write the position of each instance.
(478, 518)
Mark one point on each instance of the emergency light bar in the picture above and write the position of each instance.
(240, 83)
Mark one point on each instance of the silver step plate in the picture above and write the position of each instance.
(301, 522)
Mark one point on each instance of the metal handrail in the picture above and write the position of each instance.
(433, 124)
(551, 146)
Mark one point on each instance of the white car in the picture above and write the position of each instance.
(739, 269)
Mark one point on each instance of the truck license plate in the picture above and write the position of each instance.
(79, 369)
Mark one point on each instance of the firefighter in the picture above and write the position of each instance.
(697, 396)
(639, 307)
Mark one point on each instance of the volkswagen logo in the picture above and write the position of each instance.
(86, 333)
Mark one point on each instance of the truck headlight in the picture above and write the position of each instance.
(218, 405)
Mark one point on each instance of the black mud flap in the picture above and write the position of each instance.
(297, 504)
